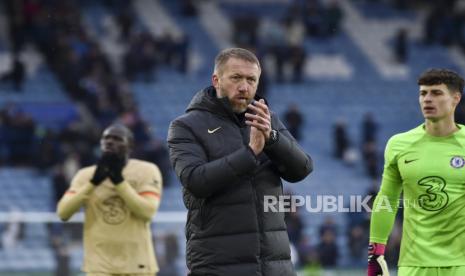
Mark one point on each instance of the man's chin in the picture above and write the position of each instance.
(109, 153)
(432, 119)
(239, 108)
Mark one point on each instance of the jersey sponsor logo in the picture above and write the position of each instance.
(210, 131)
(409, 161)
(434, 198)
(113, 210)
(457, 162)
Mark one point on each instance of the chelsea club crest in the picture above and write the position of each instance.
(457, 162)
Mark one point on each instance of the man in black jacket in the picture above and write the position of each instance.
(230, 151)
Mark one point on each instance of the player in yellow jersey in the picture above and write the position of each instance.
(120, 197)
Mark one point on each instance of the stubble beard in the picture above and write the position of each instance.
(237, 108)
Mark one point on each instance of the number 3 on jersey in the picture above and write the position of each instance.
(434, 198)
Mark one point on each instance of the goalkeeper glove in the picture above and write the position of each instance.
(377, 266)
(115, 164)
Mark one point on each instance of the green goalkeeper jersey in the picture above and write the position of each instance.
(430, 171)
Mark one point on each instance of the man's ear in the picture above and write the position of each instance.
(457, 97)
(215, 81)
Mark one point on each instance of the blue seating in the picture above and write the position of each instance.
(24, 259)
(42, 87)
(26, 190)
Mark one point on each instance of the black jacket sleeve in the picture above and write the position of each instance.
(200, 177)
(291, 161)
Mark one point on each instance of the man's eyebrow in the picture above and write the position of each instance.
(432, 90)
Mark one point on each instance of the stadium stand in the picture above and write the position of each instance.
(345, 75)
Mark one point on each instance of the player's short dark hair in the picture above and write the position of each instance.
(435, 76)
(238, 53)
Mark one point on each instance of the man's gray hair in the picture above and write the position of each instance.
(238, 53)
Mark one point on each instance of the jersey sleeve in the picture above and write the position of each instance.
(76, 196)
(152, 182)
(386, 203)
(143, 199)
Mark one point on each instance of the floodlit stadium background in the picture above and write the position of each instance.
(69, 68)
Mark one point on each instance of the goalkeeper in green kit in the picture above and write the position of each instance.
(427, 165)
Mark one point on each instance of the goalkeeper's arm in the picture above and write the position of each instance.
(384, 211)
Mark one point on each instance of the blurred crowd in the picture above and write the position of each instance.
(283, 39)
(102, 95)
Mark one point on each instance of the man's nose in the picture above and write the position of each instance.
(427, 98)
(243, 86)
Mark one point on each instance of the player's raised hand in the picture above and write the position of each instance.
(377, 265)
(259, 117)
(257, 140)
(100, 173)
(115, 164)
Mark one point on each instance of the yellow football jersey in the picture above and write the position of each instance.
(115, 239)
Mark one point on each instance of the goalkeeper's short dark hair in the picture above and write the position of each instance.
(435, 76)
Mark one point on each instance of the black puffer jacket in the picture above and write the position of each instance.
(224, 184)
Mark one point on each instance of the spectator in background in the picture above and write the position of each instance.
(401, 46)
(60, 184)
(328, 225)
(4, 155)
(48, 150)
(369, 128)
(369, 149)
(167, 260)
(341, 141)
(275, 37)
(189, 8)
(20, 133)
(313, 16)
(295, 226)
(308, 254)
(14, 230)
(328, 251)
(370, 158)
(295, 35)
(245, 30)
(180, 53)
(430, 26)
(357, 241)
(16, 75)
(125, 20)
(293, 120)
(333, 18)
